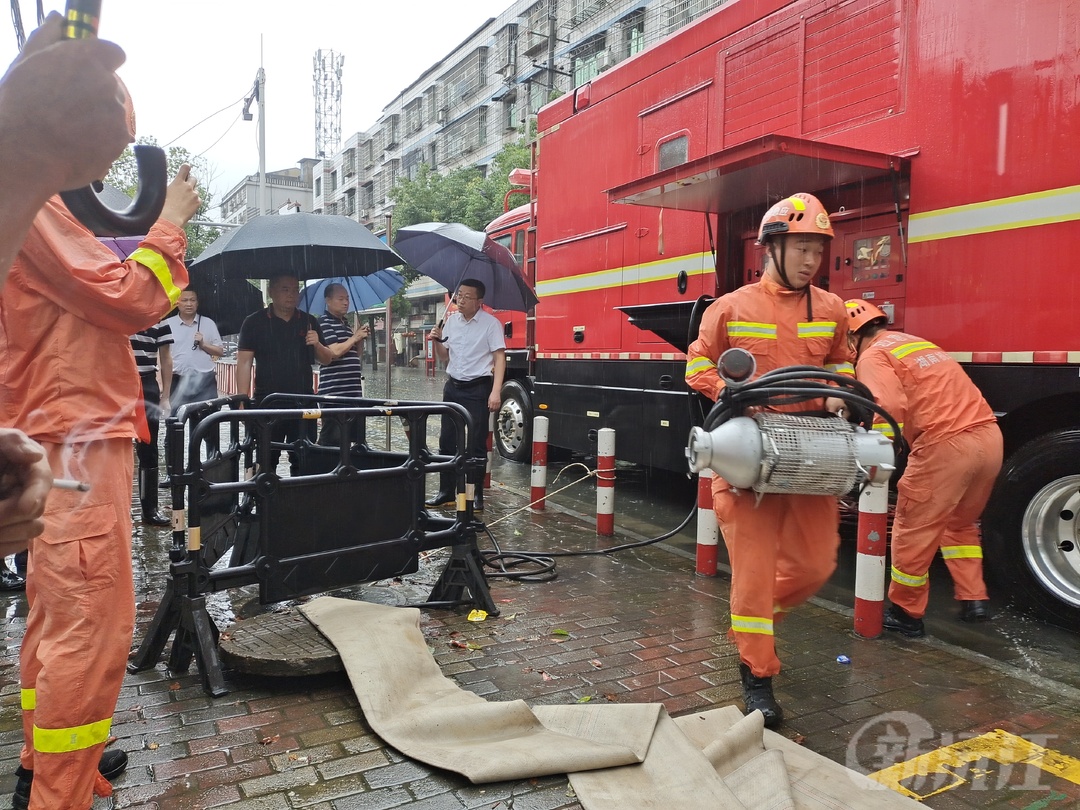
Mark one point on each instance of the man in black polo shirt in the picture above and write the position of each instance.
(282, 342)
(147, 346)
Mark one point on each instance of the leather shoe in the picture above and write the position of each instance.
(441, 499)
(10, 581)
(758, 696)
(153, 517)
(900, 621)
(975, 610)
(110, 766)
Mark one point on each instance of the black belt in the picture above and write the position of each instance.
(473, 383)
(147, 373)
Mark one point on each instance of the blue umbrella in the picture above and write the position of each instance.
(364, 291)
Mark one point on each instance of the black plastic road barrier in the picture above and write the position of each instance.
(351, 515)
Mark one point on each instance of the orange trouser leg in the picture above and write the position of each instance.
(781, 552)
(962, 544)
(78, 630)
(940, 497)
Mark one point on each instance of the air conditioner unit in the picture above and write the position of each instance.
(605, 60)
(362, 213)
(441, 116)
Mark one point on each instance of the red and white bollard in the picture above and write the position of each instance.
(538, 491)
(489, 442)
(870, 560)
(708, 532)
(605, 482)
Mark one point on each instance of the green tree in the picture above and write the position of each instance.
(124, 175)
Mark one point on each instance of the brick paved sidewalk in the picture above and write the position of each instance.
(636, 626)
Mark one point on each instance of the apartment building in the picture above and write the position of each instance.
(477, 98)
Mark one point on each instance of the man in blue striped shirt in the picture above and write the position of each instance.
(342, 376)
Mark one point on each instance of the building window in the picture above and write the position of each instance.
(633, 32)
(587, 59)
(510, 111)
(318, 186)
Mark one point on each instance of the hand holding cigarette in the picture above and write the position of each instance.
(25, 480)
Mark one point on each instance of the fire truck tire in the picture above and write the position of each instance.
(1031, 529)
(513, 423)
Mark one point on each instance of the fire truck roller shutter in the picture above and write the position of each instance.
(1032, 525)
(513, 423)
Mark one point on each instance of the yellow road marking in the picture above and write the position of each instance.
(950, 762)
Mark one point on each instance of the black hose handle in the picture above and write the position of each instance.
(81, 22)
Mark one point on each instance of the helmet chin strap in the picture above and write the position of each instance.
(784, 281)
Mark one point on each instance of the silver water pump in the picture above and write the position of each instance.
(796, 454)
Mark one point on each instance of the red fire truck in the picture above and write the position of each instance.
(944, 136)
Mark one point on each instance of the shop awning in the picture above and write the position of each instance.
(757, 172)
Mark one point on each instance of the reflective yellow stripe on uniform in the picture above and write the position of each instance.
(817, 329)
(901, 578)
(961, 552)
(904, 349)
(885, 429)
(699, 365)
(840, 368)
(156, 264)
(752, 624)
(76, 738)
(751, 329)
(29, 700)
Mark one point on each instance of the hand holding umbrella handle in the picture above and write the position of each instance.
(81, 21)
(439, 326)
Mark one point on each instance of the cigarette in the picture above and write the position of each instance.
(69, 483)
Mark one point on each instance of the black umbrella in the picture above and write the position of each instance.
(307, 245)
(227, 301)
(450, 252)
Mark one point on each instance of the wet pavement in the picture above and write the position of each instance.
(632, 626)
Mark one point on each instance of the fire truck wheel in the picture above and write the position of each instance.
(513, 423)
(1031, 528)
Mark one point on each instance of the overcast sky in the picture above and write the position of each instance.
(187, 59)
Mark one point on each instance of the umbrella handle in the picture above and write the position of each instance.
(81, 22)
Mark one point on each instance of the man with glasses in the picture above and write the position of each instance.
(472, 347)
(196, 345)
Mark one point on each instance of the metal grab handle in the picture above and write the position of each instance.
(81, 22)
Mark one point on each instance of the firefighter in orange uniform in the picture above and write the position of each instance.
(69, 381)
(782, 548)
(955, 457)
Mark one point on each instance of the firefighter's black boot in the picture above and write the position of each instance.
(148, 498)
(975, 610)
(758, 696)
(900, 621)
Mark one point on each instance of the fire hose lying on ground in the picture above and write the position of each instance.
(797, 454)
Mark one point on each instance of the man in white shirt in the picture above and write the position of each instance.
(472, 345)
(196, 345)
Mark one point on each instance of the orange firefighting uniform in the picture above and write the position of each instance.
(68, 378)
(955, 456)
(782, 548)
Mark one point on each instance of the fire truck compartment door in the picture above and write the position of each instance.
(754, 173)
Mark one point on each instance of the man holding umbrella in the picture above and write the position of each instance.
(471, 344)
(281, 342)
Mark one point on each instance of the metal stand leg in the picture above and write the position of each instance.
(464, 572)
